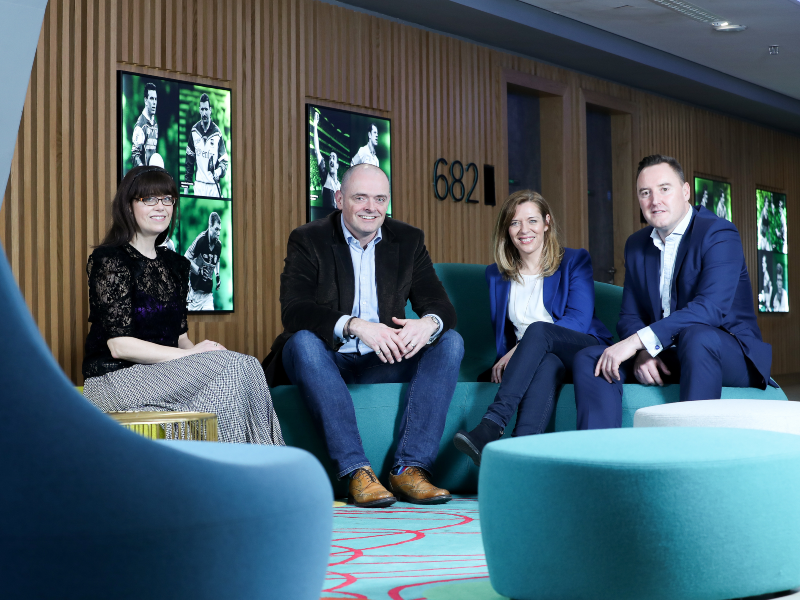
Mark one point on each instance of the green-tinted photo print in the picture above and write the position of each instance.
(206, 239)
(772, 230)
(714, 195)
(148, 123)
(780, 297)
(337, 140)
(765, 281)
(205, 141)
(773, 282)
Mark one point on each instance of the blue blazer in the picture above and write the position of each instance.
(710, 286)
(568, 298)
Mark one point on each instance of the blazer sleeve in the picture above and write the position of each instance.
(299, 283)
(427, 294)
(631, 316)
(503, 334)
(580, 294)
(716, 286)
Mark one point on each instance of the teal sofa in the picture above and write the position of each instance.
(378, 406)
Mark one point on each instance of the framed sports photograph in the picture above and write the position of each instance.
(206, 240)
(337, 140)
(773, 252)
(714, 195)
(186, 129)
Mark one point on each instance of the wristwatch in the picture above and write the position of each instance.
(439, 325)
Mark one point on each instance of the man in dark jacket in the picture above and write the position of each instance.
(344, 288)
(687, 306)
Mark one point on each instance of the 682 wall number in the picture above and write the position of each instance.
(455, 188)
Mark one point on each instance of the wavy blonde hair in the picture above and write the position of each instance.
(506, 254)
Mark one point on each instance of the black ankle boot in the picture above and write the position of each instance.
(472, 443)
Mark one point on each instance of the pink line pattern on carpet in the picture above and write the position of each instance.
(393, 553)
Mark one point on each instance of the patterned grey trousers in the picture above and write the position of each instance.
(228, 384)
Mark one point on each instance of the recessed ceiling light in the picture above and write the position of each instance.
(700, 14)
(733, 28)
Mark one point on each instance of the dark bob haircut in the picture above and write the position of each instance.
(659, 159)
(140, 182)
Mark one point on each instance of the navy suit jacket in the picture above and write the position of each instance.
(710, 286)
(568, 297)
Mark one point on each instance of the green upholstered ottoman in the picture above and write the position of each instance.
(632, 514)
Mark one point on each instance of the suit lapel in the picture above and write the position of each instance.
(387, 268)
(501, 294)
(345, 278)
(652, 268)
(549, 291)
(683, 248)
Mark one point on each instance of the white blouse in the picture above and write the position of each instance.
(526, 304)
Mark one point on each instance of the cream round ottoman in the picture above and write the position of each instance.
(769, 415)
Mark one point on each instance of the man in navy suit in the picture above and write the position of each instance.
(687, 307)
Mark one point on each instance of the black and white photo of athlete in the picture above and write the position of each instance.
(780, 301)
(765, 290)
(781, 232)
(722, 208)
(764, 242)
(206, 154)
(366, 154)
(204, 257)
(328, 173)
(145, 131)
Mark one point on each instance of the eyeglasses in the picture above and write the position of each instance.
(153, 200)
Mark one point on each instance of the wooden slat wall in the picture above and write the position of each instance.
(444, 97)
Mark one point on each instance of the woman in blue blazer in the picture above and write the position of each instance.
(542, 303)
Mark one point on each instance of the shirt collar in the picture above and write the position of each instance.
(350, 239)
(678, 231)
(149, 120)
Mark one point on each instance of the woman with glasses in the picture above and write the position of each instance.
(138, 352)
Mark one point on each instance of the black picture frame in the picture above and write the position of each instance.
(348, 135)
(207, 196)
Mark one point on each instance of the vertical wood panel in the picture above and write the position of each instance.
(445, 98)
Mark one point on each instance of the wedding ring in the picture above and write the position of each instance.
(378, 352)
(413, 345)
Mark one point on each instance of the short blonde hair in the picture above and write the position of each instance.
(506, 254)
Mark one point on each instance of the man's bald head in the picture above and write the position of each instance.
(363, 200)
(366, 169)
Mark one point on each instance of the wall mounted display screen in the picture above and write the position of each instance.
(714, 195)
(186, 129)
(337, 140)
(773, 252)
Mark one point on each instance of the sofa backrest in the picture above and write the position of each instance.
(607, 302)
(466, 285)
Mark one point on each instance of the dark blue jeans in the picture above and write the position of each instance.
(533, 377)
(704, 359)
(323, 374)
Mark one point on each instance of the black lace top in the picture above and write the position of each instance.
(132, 295)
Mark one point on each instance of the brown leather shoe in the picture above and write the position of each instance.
(414, 485)
(367, 492)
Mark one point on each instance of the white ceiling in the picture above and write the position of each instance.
(743, 55)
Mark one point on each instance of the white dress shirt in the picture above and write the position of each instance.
(669, 252)
(526, 304)
(365, 299)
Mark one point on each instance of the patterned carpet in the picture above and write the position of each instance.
(408, 552)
